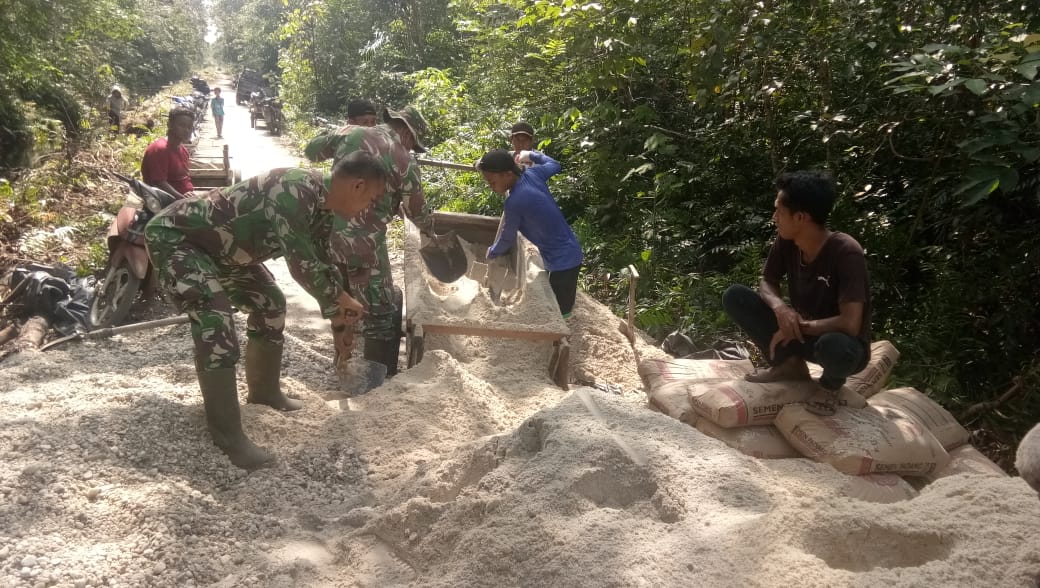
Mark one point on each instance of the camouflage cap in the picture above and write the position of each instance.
(415, 122)
(316, 146)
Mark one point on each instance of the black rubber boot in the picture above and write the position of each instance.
(383, 351)
(263, 373)
(224, 420)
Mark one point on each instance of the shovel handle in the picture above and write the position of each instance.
(445, 164)
(110, 331)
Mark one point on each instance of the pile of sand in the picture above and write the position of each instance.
(471, 469)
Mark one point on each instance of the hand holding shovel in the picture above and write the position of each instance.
(356, 375)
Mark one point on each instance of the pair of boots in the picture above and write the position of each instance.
(220, 398)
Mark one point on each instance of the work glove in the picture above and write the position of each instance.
(524, 158)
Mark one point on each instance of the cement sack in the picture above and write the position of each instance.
(668, 381)
(970, 461)
(763, 442)
(739, 403)
(879, 488)
(863, 441)
(661, 372)
(866, 383)
(673, 400)
(909, 403)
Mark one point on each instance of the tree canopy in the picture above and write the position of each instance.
(60, 59)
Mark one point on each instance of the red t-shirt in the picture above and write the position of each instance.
(163, 164)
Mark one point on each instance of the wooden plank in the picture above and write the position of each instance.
(498, 333)
(633, 276)
(415, 343)
(559, 364)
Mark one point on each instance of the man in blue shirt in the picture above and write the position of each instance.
(531, 210)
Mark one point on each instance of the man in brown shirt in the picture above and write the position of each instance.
(828, 318)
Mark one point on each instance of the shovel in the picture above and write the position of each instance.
(497, 270)
(359, 376)
(112, 331)
(444, 257)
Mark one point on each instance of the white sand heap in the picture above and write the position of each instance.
(471, 469)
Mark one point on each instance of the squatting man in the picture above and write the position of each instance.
(828, 318)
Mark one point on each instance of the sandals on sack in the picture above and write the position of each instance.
(823, 403)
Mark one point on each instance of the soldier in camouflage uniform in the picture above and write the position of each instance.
(359, 245)
(209, 252)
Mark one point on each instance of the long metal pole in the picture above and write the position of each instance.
(445, 164)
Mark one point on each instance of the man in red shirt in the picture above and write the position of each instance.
(165, 162)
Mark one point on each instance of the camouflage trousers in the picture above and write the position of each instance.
(364, 263)
(205, 290)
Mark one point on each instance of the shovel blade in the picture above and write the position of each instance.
(359, 376)
(444, 257)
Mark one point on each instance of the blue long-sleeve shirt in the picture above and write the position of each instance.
(530, 209)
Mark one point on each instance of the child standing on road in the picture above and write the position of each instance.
(217, 104)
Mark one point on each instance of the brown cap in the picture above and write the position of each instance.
(522, 128)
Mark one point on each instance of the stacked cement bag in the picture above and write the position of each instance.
(739, 403)
(901, 431)
(964, 459)
(763, 442)
(877, 436)
(713, 396)
(669, 380)
(863, 441)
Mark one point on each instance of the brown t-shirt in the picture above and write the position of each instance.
(838, 274)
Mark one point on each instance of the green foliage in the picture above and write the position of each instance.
(59, 60)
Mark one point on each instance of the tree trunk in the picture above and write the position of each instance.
(31, 336)
(7, 333)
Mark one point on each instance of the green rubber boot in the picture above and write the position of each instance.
(224, 420)
(263, 370)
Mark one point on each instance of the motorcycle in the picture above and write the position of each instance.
(128, 271)
(256, 106)
(200, 84)
(273, 116)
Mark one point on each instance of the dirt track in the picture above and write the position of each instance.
(470, 469)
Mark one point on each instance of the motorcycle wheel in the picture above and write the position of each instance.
(115, 296)
(252, 121)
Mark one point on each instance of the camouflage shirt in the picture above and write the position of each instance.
(403, 183)
(277, 213)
